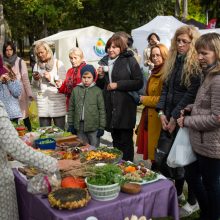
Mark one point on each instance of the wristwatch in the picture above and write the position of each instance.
(160, 113)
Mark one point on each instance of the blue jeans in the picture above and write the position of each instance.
(203, 176)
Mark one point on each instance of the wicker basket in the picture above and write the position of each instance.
(103, 193)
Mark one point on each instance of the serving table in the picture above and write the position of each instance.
(156, 199)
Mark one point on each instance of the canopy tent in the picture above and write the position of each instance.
(91, 40)
(164, 26)
(205, 31)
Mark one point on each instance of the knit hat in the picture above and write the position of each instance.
(3, 70)
(88, 68)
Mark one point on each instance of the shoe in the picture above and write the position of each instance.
(181, 198)
(188, 209)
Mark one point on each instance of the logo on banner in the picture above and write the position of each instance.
(99, 48)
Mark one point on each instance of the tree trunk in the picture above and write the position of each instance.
(185, 9)
(177, 8)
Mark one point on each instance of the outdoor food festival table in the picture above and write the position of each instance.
(156, 199)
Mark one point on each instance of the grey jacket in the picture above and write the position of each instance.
(203, 123)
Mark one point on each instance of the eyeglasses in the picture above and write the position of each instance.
(184, 42)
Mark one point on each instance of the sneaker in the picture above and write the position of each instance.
(188, 209)
(181, 198)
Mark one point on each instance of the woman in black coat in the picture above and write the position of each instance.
(119, 73)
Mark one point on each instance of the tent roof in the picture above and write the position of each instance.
(160, 24)
(88, 31)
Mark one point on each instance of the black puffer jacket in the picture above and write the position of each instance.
(176, 96)
(120, 106)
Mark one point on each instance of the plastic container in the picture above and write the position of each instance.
(43, 145)
(103, 193)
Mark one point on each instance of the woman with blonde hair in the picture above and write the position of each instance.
(202, 119)
(181, 82)
(47, 70)
(150, 126)
(73, 76)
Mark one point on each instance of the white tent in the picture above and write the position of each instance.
(205, 31)
(163, 26)
(91, 40)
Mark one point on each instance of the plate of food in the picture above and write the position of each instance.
(102, 154)
(137, 173)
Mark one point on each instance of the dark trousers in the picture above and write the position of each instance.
(123, 140)
(58, 121)
(27, 123)
(15, 120)
(204, 178)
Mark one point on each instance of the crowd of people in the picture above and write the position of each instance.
(181, 91)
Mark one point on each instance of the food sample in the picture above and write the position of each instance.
(69, 198)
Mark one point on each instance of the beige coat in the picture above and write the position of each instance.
(26, 91)
(203, 123)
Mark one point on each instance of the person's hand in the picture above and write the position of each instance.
(36, 75)
(164, 122)
(72, 129)
(5, 78)
(171, 125)
(31, 98)
(100, 72)
(100, 133)
(47, 76)
(112, 86)
(59, 83)
(67, 164)
(141, 98)
(180, 121)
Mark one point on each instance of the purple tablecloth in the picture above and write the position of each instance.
(156, 199)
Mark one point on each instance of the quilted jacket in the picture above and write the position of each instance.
(203, 123)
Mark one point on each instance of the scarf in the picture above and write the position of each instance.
(11, 60)
(48, 66)
(74, 79)
(111, 63)
(156, 69)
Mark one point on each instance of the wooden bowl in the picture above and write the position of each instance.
(131, 188)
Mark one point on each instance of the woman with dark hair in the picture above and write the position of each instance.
(150, 126)
(19, 67)
(10, 90)
(202, 119)
(152, 40)
(120, 73)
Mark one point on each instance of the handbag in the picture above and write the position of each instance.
(181, 153)
(162, 150)
(164, 145)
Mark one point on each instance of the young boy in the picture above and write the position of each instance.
(86, 114)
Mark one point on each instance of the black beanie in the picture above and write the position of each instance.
(88, 68)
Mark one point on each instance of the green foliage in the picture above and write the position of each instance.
(105, 175)
(196, 11)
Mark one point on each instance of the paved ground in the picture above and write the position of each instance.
(107, 140)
